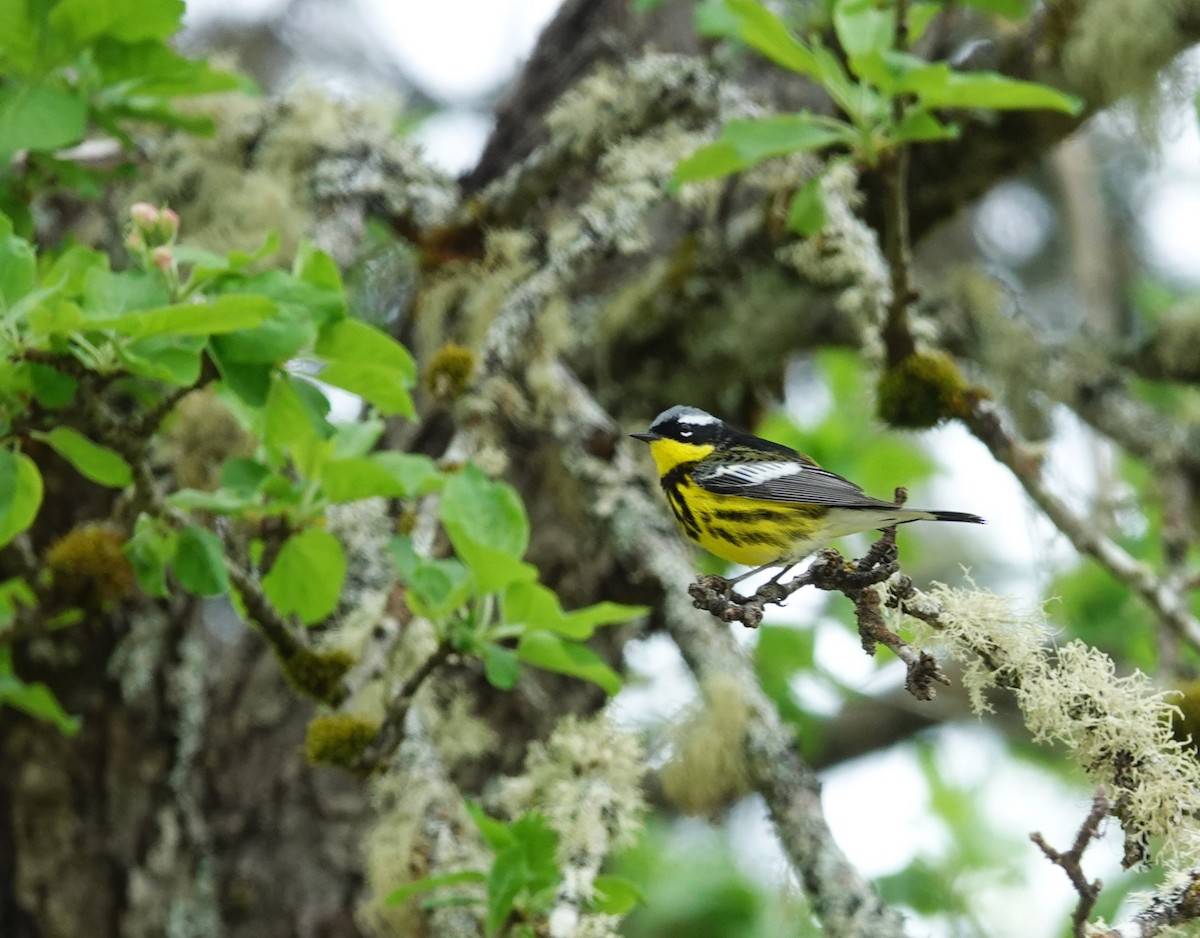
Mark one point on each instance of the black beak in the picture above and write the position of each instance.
(646, 436)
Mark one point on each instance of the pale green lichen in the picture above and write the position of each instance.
(418, 832)
(454, 724)
(272, 162)
(613, 100)
(845, 254)
(586, 781)
(1118, 728)
(1116, 48)
(463, 297)
(707, 769)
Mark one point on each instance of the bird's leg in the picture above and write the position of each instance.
(731, 583)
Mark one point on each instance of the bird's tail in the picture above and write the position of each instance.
(964, 516)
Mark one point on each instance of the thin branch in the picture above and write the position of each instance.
(1071, 861)
(897, 336)
(854, 579)
(983, 419)
(391, 731)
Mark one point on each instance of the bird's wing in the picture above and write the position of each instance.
(782, 480)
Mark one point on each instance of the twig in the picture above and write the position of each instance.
(897, 336)
(984, 422)
(391, 731)
(854, 579)
(1071, 860)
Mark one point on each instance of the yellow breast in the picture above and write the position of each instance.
(748, 531)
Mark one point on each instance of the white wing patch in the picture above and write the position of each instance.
(756, 473)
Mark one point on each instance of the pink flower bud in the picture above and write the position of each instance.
(168, 223)
(134, 242)
(162, 258)
(144, 214)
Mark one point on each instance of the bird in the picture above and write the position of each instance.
(758, 503)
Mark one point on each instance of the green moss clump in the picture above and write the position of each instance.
(449, 372)
(318, 674)
(921, 391)
(338, 739)
(89, 565)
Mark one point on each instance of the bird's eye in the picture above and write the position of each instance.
(685, 432)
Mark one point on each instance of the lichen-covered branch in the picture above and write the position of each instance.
(1170, 606)
(1176, 903)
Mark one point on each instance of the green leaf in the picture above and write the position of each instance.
(174, 360)
(273, 342)
(581, 623)
(714, 161)
(760, 138)
(501, 666)
(496, 834)
(34, 117)
(307, 576)
(242, 475)
(435, 588)
(315, 267)
(864, 26)
(149, 550)
(219, 502)
(368, 362)
(537, 607)
(18, 264)
(387, 474)
(20, 493)
(766, 33)
(14, 592)
(806, 211)
(109, 295)
(250, 382)
(939, 86)
(199, 562)
(294, 422)
(93, 461)
(128, 20)
(358, 438)
(220, 314)
(533, 606)
(487, 525)
(35, 699)
(1012, 9)
(529, 864)
(428, 883)
(152, 69)
(920, 15)
(919, 125)
(51, 388)
(712, 19)
(487, 511)
(744, 143)
(552, 652)
(616, 895)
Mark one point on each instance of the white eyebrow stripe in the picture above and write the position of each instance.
(699, 418)
(758, 472)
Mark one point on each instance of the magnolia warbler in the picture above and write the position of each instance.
(760, 503)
